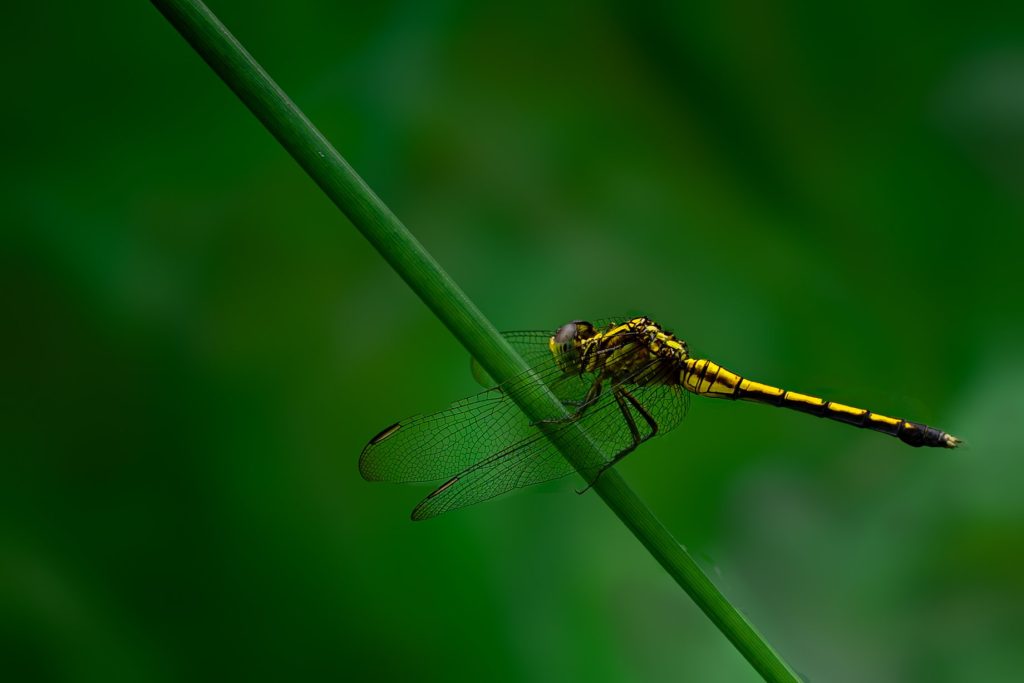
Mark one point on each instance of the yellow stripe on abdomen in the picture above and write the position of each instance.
(706, 378)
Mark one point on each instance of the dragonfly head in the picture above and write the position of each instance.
(565, 343)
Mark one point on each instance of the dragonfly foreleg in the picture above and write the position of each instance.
(593, 393)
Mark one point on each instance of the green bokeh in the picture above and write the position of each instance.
(197, 345)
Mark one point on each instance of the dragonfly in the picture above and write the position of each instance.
(620, 382)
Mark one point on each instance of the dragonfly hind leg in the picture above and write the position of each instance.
(621, 396)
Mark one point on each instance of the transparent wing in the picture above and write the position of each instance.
(439, 445)
(537, 459)
(531, 345)
(484, 445)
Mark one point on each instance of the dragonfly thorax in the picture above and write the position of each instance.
(619, 350)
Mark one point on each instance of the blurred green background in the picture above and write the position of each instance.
(197, 345)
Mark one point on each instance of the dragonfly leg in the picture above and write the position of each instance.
(593, 393)
(621, 395)
(644, 413)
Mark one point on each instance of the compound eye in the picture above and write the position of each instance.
(565, 334)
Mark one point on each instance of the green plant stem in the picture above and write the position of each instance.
(226, 56)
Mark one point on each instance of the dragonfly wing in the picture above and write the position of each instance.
(440, 445)
(532, 461)
(536, 459)
(485, 446)
(532, 347)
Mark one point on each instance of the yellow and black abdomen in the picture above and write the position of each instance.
(710, 379)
